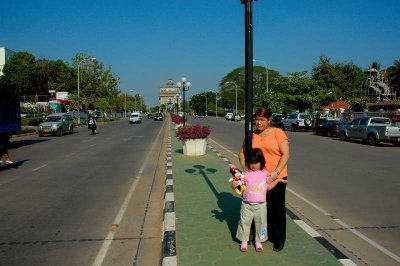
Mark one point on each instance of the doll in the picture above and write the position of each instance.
(238, 177)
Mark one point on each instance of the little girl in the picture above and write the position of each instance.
(254, 200)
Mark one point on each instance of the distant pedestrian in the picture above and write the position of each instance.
(253, 206)
(274, 145)
(4, 141)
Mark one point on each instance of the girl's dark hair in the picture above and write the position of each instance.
(255, 156)
(263, 112)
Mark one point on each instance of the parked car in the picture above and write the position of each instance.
(277, 120)
(329, 128)
(26, 114)
(297, 121)
(158, 117)
(371, 130)
(135, 117)
(149, 115)
(56, 124)
(228, 116)
(236, 118)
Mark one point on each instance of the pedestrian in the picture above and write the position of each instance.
(4, 141)
(253, 206)
(274, 145)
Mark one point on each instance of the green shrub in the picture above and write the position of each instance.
(32, 121)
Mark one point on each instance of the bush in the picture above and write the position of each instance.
(32, 121)
(193, 132)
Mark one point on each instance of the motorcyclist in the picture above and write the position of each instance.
(92, 124)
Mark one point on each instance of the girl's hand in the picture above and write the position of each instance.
(282, 180)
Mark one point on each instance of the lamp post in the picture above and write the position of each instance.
(141, 103)
(177, 103)
(236, 88)
(125, 106)
(184, 85)
(205, 95)
(216, 104)
(79, 105)
(266, 71)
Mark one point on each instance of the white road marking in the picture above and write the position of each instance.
(40, 167)
(110, 236)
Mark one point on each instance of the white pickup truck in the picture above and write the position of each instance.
(371, 130)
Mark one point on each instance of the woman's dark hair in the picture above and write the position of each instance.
(263, 112)
(255, 156)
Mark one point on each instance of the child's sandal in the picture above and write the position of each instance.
(259, 247)
(243, 247)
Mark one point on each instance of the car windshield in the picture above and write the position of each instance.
(380, 121)
(53, 119)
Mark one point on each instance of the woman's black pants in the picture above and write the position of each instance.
(276, 214)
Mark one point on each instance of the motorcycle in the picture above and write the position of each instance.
(92, 129)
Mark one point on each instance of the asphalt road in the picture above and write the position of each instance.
(347, 191)
(85, 200)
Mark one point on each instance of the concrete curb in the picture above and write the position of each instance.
(169, 229)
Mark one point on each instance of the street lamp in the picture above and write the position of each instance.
(79, 105)
(177, 103)
(216, 103)
(125, 101)
(141, 103)
(184, 85)
(205, 95)
(236, 86)
(266, 70)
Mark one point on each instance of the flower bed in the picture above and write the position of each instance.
(193, 132)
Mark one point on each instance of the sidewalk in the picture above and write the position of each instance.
(207, 214)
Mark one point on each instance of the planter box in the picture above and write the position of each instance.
(194, 147)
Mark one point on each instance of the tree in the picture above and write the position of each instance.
(20, 71)
(95, 82)
(394, 76)
(342, 79)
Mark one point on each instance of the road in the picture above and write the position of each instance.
(85, 200)
(348, 192)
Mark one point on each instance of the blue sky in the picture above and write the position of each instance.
(147, 42)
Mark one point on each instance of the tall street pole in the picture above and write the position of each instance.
(248, 34)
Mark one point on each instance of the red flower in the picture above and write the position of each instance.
(193, 132)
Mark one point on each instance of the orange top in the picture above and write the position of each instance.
(269, 146)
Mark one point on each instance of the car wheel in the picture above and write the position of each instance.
(371, 139)
(307, 122)
(59, 132)
(294, 128)
(328, 134)
(396, 143)
(40, 134)
(315, 132)
(343, 136)
(71, 130)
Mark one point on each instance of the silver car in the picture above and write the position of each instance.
(56, 124)
(297, 121)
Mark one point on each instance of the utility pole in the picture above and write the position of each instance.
(248, 34)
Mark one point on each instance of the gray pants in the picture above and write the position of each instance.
(248, 212)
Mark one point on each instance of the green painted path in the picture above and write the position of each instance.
(207, 214)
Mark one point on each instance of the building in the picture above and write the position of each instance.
(5, 55)
(170, 95)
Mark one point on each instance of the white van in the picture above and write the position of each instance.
(136, 117)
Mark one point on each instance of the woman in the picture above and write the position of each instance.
(275, 147)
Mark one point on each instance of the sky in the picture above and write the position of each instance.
(148, 42)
